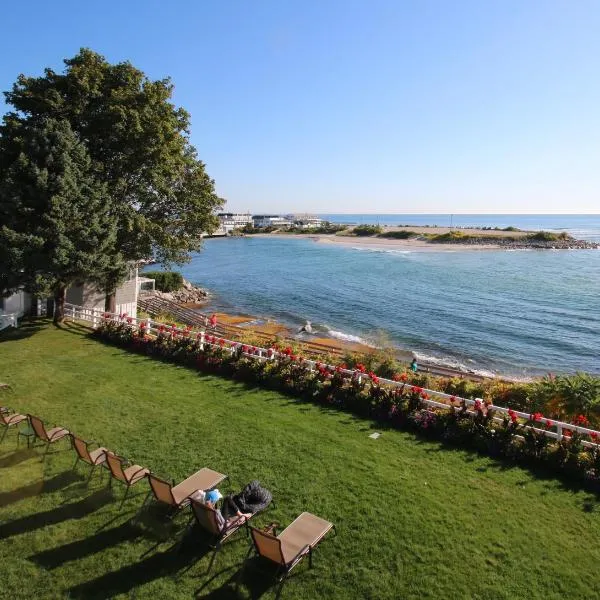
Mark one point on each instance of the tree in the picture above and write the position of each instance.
(139, 145)
(57, 227)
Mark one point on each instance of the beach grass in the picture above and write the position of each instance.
(414, 519)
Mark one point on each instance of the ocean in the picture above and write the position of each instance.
(518, 313)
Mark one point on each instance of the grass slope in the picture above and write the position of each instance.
(414, 520)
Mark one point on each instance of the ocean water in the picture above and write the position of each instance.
(518, 313)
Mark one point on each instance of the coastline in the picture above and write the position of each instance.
(475, 240)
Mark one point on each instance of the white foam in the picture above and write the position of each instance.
(346, 337)
(452, 363)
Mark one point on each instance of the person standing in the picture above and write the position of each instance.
(414, 367)
(213, 321)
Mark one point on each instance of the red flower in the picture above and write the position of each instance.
(129, 320)
(477, 405)
(513, 418)
(360, 367)
(581, 420)
(142, 325)
(548, 423)
(594, 435)
(452, 399)
(161, 328)
(567, 433)
(536, 416)
(343, 366)
(424, 395)
(375, 379)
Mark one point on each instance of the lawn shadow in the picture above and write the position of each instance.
(156, 566)
(16, 457)
(55, 557)
(43, 486)
(27, 327)
(75, 510)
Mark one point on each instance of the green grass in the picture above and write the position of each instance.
(414, 519)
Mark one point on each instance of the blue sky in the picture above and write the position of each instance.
(345, 106)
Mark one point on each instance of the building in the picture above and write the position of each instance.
(15, 306)
(270, 221)
(305, 221)
(230, 221)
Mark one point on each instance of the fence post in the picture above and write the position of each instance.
(202, 333)
(558, 431)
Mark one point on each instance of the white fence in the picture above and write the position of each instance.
(435, 399)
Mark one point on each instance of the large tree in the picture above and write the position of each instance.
(57, 225)
(139, 145)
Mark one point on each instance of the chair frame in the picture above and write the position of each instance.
(5, 415)
(123, 478)
(175, 506)
(47, 439)
(283, 569)
(217, 540)
(100, 460)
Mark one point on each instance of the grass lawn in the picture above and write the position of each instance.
(414, 520)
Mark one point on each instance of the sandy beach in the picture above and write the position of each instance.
(412, 245)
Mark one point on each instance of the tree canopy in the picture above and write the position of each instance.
(57, 224)
(138, 145)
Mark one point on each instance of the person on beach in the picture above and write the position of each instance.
(414, 367)
(213, 321)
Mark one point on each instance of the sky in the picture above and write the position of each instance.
(345, 106)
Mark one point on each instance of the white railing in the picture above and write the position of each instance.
(433, 399)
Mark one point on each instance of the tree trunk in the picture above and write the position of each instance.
(59, 304)
(110, 303)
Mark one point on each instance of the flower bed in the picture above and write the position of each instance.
(474, 425)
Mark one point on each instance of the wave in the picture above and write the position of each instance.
(381, 250)
(452, 363)
(346, 337)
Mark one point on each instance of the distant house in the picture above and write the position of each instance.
(306, 221)
(260, 221)
(230, 221)
(89, 295)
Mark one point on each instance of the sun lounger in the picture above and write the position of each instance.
(297, 540)
(178, 496)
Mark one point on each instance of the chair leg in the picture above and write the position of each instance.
(90, 475)
(76, 462)
(46, 451)
(124, 497)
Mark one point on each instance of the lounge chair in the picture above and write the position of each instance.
(94, 458)
(125, 472)
(178, 496)
(288, 548)
(49, 436)
(8, 420)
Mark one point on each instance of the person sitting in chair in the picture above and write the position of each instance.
(229, 513)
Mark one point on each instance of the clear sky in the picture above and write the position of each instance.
(352, 106)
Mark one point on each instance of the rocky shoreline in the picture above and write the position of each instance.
(187, 294)
(568, 244)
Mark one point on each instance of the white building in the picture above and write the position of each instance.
(306, 221)
(230, 221)
(13, 307)
(271, 221)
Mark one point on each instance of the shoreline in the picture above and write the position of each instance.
(498, 240)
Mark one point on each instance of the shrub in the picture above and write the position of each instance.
(403, 234)
(166, 281)
(365, 230)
